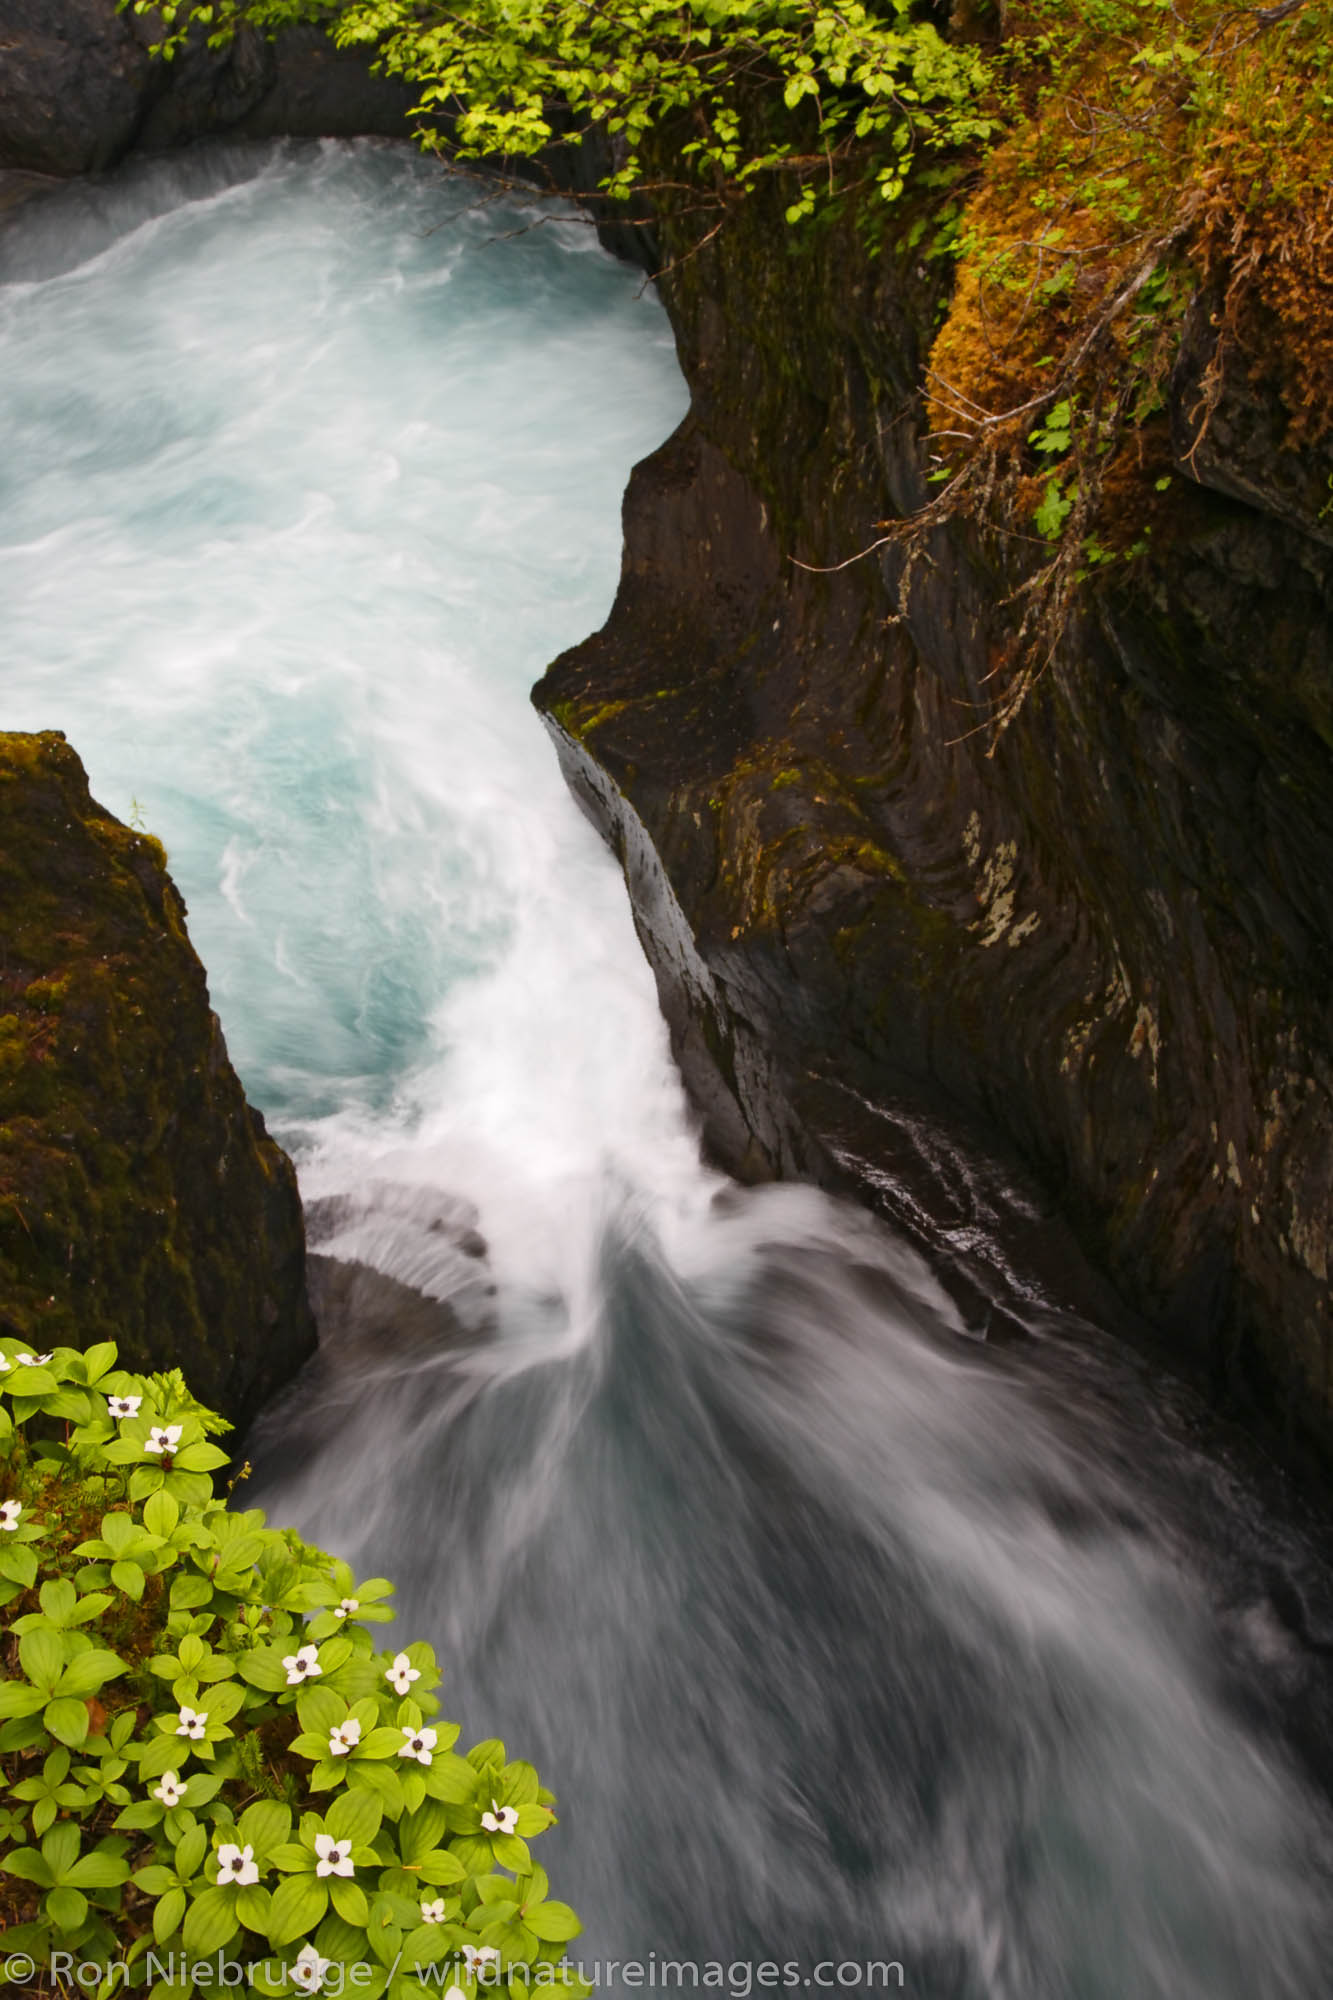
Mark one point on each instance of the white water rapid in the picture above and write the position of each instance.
(839, 1641)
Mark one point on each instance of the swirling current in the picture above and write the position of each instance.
(846, 1642)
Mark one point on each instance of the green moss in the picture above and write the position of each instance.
(139, 1199)
(579, 719)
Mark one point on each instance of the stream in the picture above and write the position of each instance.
(850, 1647)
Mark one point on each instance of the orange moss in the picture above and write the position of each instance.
(1149, 156)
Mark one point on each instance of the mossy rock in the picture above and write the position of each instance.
(141, 1199)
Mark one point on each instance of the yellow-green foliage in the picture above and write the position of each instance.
(203, 1748)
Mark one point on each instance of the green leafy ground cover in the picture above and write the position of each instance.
(204, 1747)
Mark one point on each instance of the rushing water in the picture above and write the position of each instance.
(840, 1641)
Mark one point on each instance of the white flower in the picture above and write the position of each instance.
(418, 1743)
(123, 1406)
(345, 1737)
(347, 1607)
(171, 1791)
(500, 1819)
(9, 1513)
(402, 1673)
(5, 1364)
(163, 1438)
(303, 1662)
(476, 1957)
(433, 1913)
(309, 1969)
(334, 1856)
(237, 1864)
(32, 1360)
(193, 1723)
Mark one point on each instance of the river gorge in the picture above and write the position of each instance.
(864, 1594)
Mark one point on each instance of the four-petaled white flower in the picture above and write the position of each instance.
(5, 1364)
(402, 1673)
(500, 1819)
(163, 1438)
(345, 1737)
(476, 1957)
(123, 1406)
(171, 1791)
(301, 1664)
(237, 1864)
(9, 1513)
(333, 1857)
(433, 1913)
(193, 1723)
(309, 1968)
(418, 1743)
(32, 1360)
(347, 1607)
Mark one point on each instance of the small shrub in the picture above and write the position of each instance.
(205, 1750)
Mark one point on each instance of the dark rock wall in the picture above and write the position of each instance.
(79, 87)
(1104, 950)
(141, 1199)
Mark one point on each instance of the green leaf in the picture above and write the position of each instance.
(141, 1815)
(420, 1832)
(155, 1880)
(87, 1672)
(442, 1868)
(167, 1915)
(349, 1900)
(553, 1923)
(356, 1817)
(210, 1922)
(427, 1944)
(254, 1906)
(511, 1853)
(59, 1600)
(320, 1710)
(129, 1578)
(382, 1780)
(16, 1699)
(42, 1657)
(98, 1360)
(67, 1909)
(98, 1870)
(292, 1857)
(298, 1904)
(263, 1668)
(191, 1851)
(263, 1825)
(160, 1514)
(452, 1779)
(61, 1848)
(189, 1590)
(29, 1866)
(200, 1458)
(19, 1565)
(67, 1720)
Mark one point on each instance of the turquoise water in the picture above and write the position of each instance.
(842, 1641)
(307, 477)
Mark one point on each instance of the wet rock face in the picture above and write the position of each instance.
(72, 80)
(141, 1199)
(79, 87)
(1103, 950)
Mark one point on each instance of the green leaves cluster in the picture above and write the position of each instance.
(830, 92)
(204, 1747)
